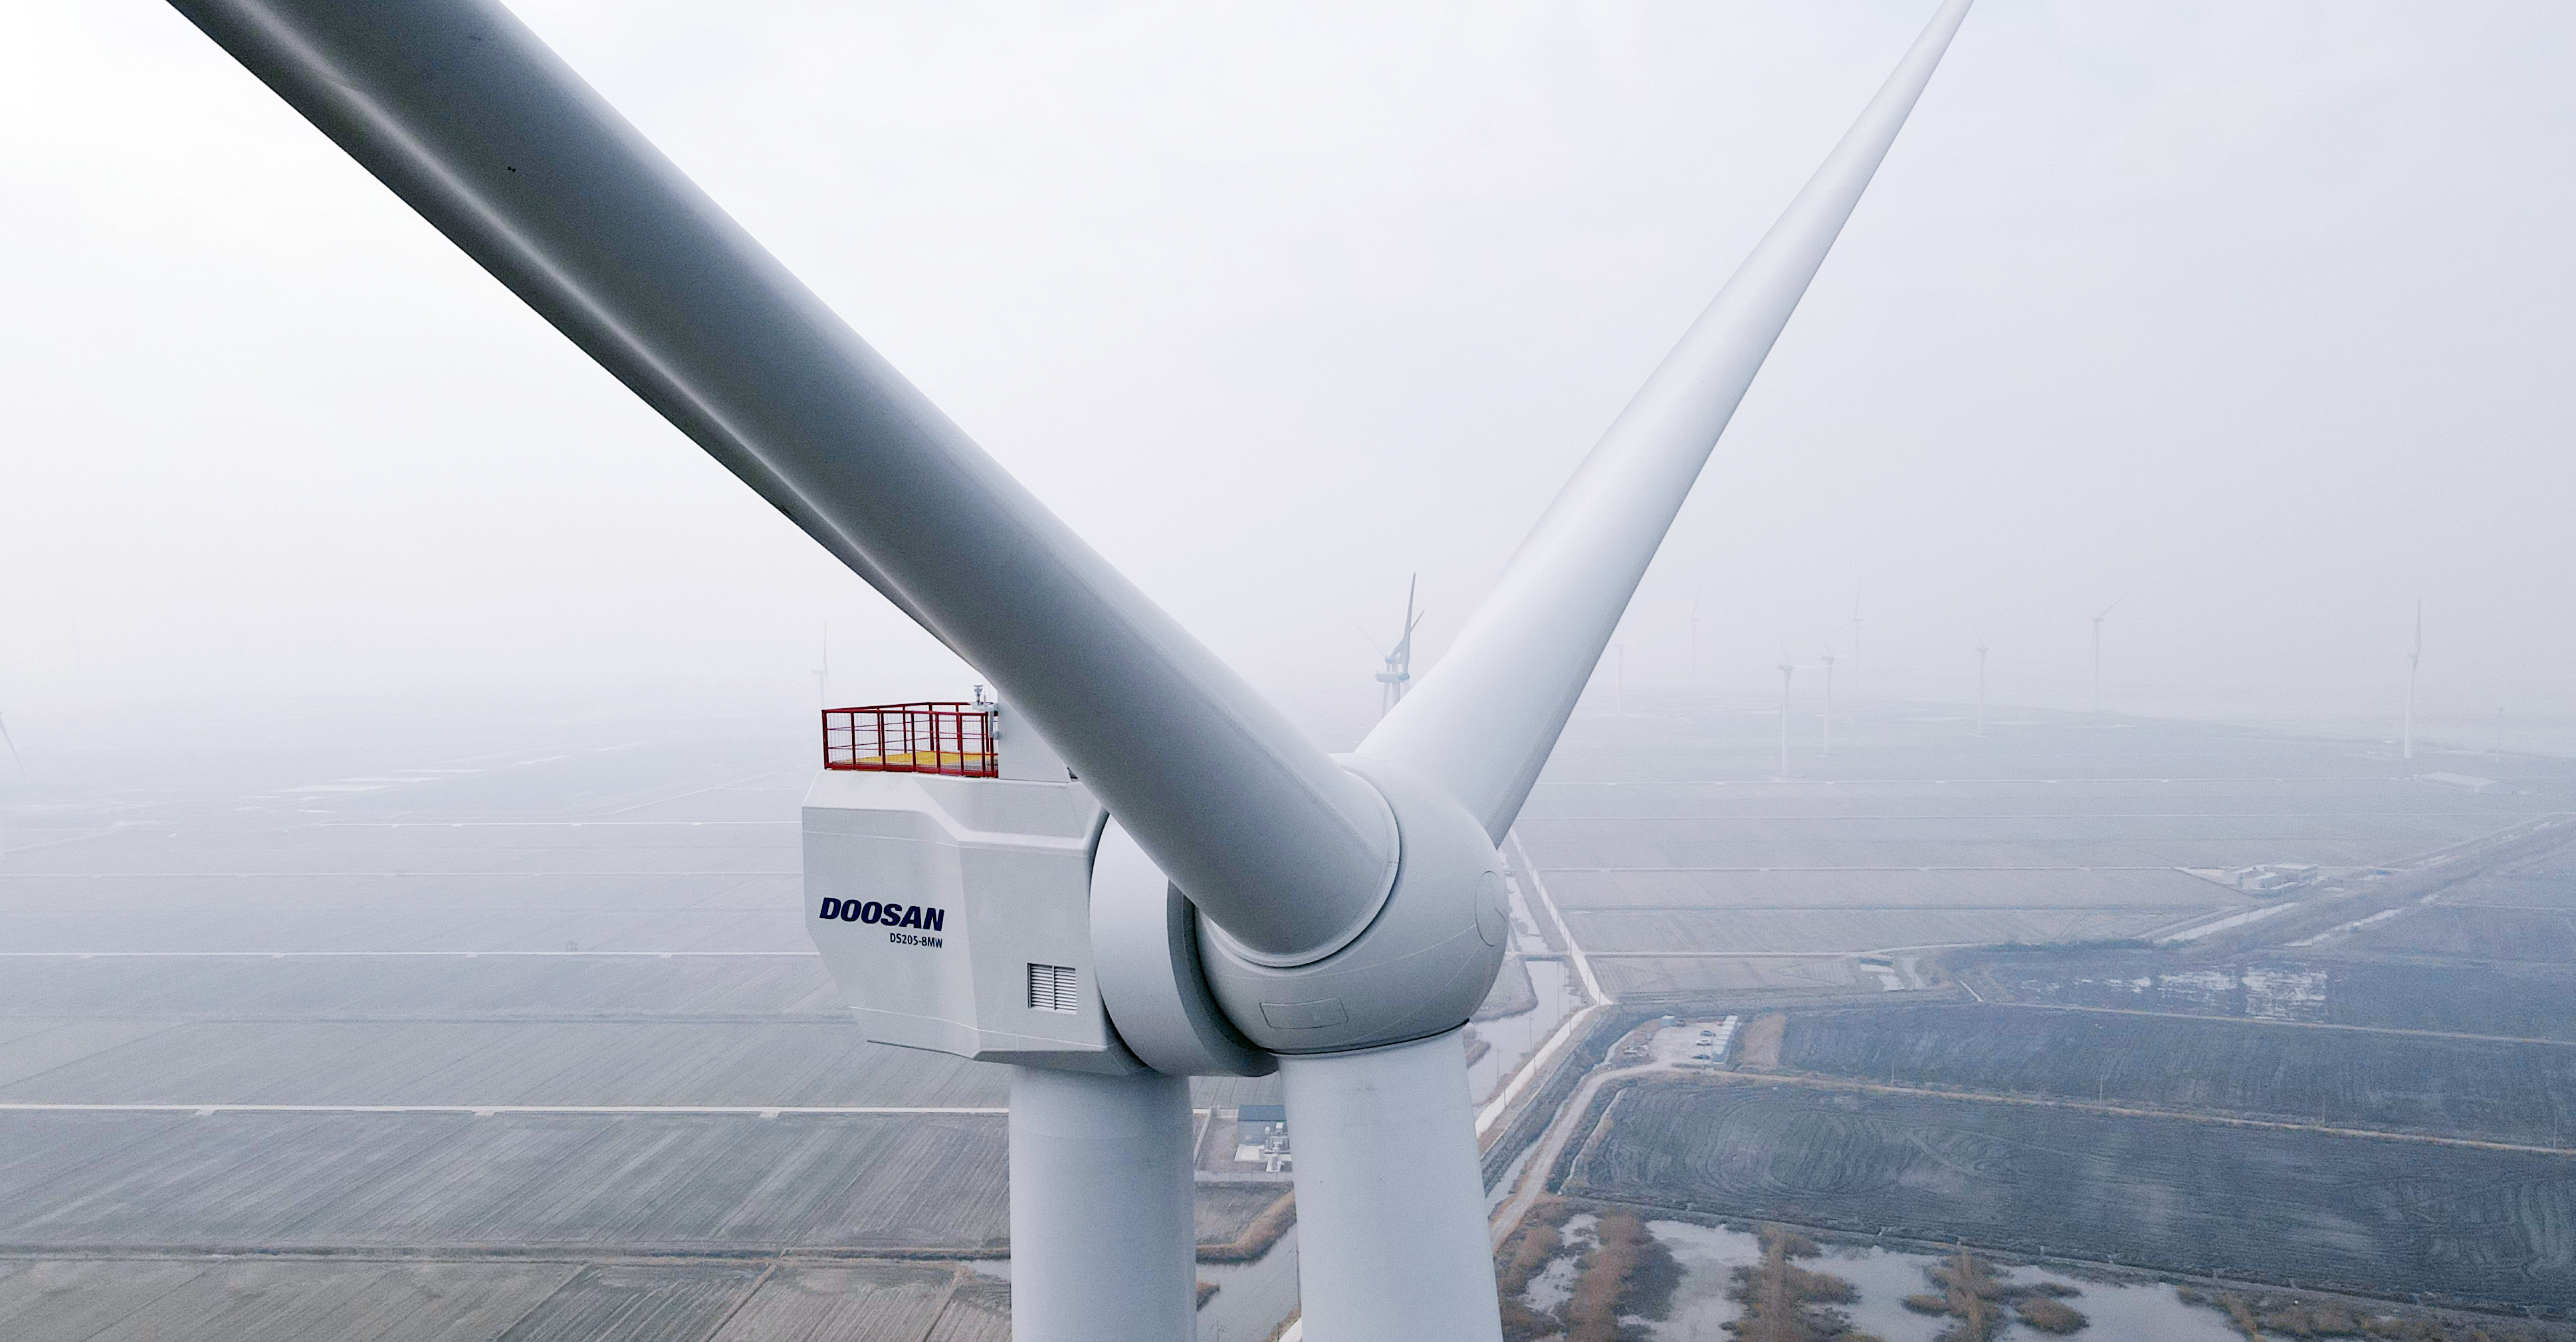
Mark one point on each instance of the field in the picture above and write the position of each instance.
(1646, 978)
(376, 939)
(1673, 832)
(2537, 936)
(2502, 1001)
(593, 927)
(2505, 1092)
(147, 1300)
(2368, 1213)
(1779, 931)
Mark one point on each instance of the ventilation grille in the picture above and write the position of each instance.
(1051, 988)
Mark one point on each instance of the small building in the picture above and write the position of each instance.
(1261, 1137)
(2273, 877)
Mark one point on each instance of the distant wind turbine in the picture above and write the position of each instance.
(2097, 653)
(823, 673)
(14, 757)
(1694, 639)
(1855, 628)
(1829, 701)
(2412, 660)
(1981, 689)
(1787, 669)
(1399, 660)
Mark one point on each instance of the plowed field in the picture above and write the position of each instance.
(2367, 1213)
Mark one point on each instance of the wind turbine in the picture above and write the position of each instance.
(2097, 653)
(20, 761)
(823, 673)
(1788, 669)
(2413, 659)
(1399, 661)
(1855, 628)
(1981, 689)
(1694, 639)
(1281, 929)
(1829, 701)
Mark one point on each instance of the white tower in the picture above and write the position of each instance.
(1981, 689)
(2097, 653)
(2414, 658)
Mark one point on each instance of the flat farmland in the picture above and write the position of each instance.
(109, 1182)
(304, 1062)
(623, 1183)
(374, 954)
(1647, 977)
(1886, 888)
(2527, 890)
(2369, 1214)
(420, 987)
(1809, 931)
(2504, 1001)
(2538, 936)
(1675, 832)
(1983, 839)
(2504, 1092)
(270, 931)
(262, 1300)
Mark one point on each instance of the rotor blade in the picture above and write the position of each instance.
(1483, 722)
(459, 109)
(1389, 1195)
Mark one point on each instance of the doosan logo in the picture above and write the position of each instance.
(884, 915)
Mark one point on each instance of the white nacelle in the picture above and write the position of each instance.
(955, 912)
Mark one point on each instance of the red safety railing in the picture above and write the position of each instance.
(924, 738)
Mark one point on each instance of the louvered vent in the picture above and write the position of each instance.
(1051, 988)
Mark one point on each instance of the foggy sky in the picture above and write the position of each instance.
(2250, 316)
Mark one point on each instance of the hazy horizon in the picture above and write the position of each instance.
(2241, 317)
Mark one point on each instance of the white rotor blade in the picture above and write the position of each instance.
(1483, 721)
(1391, 1235)
(478, 126)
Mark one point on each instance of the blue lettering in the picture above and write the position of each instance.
(871, 911)
(934, 920)
(911, 917)
(831, 909)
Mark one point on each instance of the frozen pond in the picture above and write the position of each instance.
(1251, 1298)
(1708, 1257)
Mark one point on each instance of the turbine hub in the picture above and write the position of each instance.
(1419, 968)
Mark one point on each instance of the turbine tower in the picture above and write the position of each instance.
(1981, 689)
(1246, 908)
(1694, 640)
(2097, 653)
(1399, 660)
(1787, 670)
(2413, 659)
(1829, 702)
(1855, 652)
(823, 673)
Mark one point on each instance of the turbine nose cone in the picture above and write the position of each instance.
(1421, 965)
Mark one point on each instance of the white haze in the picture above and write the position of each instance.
(2251, 316)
